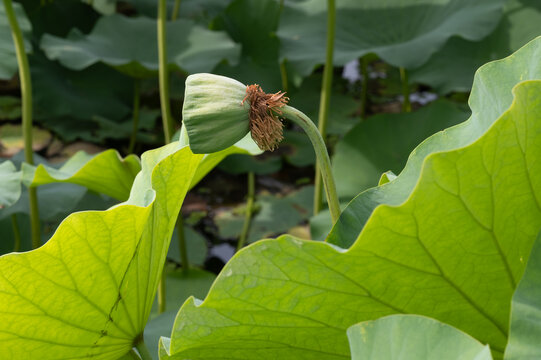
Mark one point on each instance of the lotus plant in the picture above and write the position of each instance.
(219, 111)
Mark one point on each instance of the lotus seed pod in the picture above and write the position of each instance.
(219, 111)
(214, 113)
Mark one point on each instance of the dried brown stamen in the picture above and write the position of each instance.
(265, 126)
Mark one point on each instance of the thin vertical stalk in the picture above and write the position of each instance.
(166, 113)
(176, 9)
(283, 74)
(161, 293)
(322, 156)
(167, 128)
(135, 113)
(26, 95)
(363, 64)
(182, 244)
(164, 70)
(249, 211)
(325, 98)
(406, 105)
(283, 69)
(143, 350)
(16, 233)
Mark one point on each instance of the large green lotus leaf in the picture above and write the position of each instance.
(105, 173)
(491, 96)
(130, 45)
(8, 57)
(88, 292)
(452, 68)
(253, 23)
(58, 17)
(525, 330)
(402, 33)
(244, 146)
(68, 102)
(10, 178)
(412, 337)
(453, 251)
(383, 142)
(259, 165)
(55, 201)
(203, 11)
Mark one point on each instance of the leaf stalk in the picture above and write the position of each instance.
(143, 349)
(176, 9)
(164, 71)
(16, 233)
(26, 95)
(325, 98)
(249, 211)
(406, 105)
(135, 120)
(322, 156)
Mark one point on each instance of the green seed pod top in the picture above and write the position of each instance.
(219, 111)
(214, 113)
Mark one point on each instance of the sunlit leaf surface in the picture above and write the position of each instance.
(454, 251)
(412, 337)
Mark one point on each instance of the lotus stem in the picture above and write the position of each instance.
(283, 74)
(166, 114)
(167, 128)
(16, 233)
(283, 69)
(142, 349)
(322, 156)
(325, 98)
(26, 95)
(182, 244)
(136, 104)
(176, 9)
(161, 293)
(363, 64)
(249, 211)
(406, 105)
(164, 71)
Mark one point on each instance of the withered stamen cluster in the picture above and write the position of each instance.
(265, 126)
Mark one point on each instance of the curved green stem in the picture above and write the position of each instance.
(164, 70)
(16, 233)
(325, 99)
(136, 103)
(174, 15)
(249, 211)
(26, 94)
(406, 105)
(322, 156)
(182, 244)
(142, 349)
